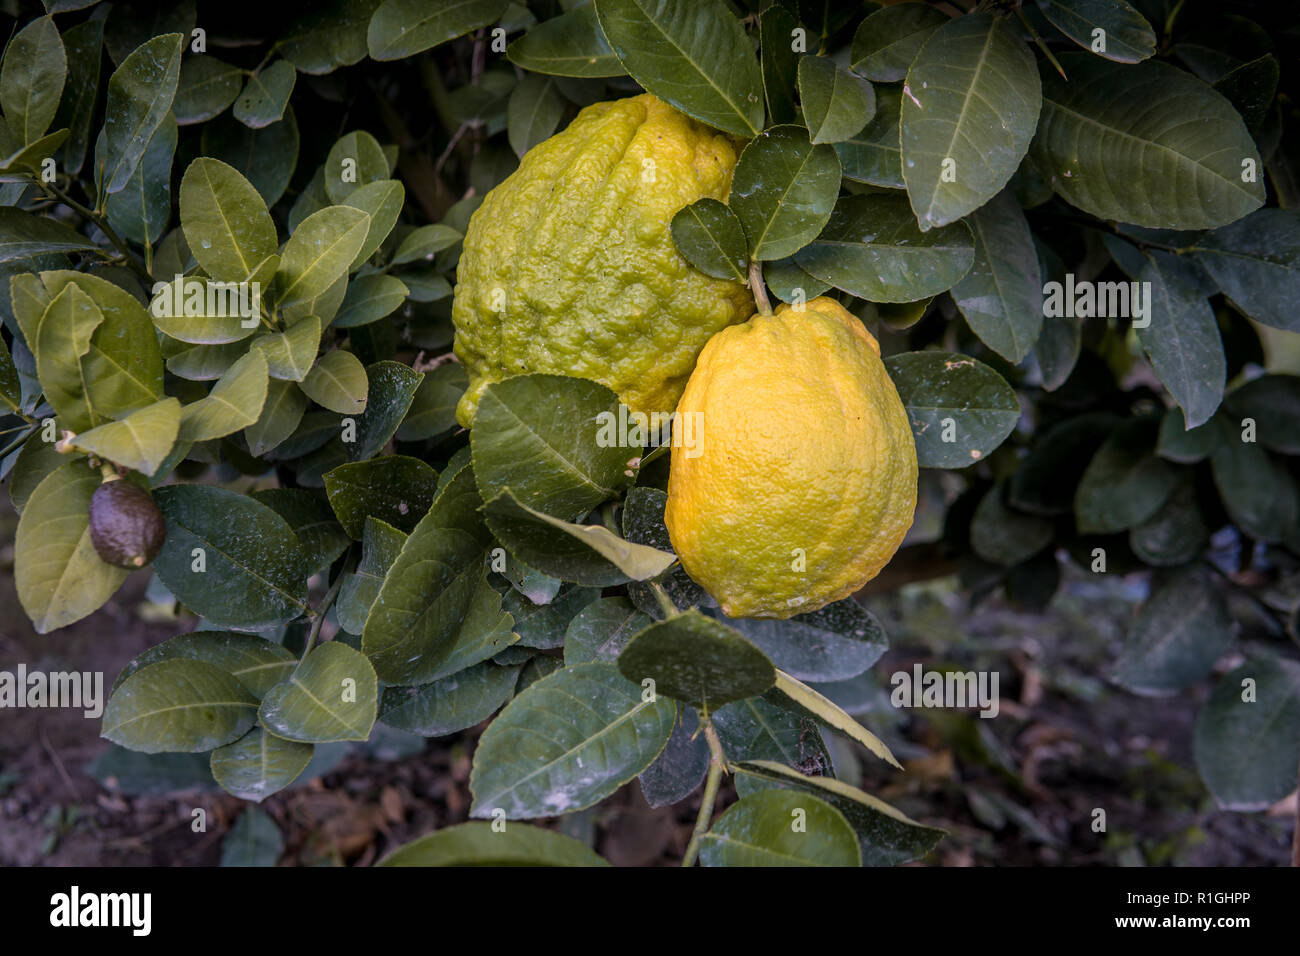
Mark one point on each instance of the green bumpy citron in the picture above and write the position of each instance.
(800, 483)
(569, 267)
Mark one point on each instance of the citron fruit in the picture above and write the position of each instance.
(569, 267)
(801, 482)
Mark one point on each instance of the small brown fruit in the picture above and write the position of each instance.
(126, 527)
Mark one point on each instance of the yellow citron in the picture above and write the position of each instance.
(569, 266)
(802, 483)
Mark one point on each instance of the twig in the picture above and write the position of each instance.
(323, 610)
(1041, 45)
(58, 764)
(757, 287)
(717, 763)
(102, 222)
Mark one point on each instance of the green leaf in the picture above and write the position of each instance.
(254, 572)
(570, 44)
(291, 354)
(338, 382)
(483, 844)
(382, 202)
(321, 249)
(258, 664)
(760, 729)
(433, 408)
(887, 42)
(681, 767)
(23, 235)
(836, 103)
(10, 382)
(839, 641)
(178, 706)
(698, 661)
(872, 248)
(31, 80)
(1256, 262)
(1248, 735)
(31, 158)
(693, 54)
(872, 155)
(1045, 481)
(1273, 401)
(140, 210)
(541, 436)
(776, 32)
(937, 387)
(395, 488)
(206, 87)
(58, 575)
(329, 35)
(266, 95)
(1125, 483)
(783, 191)
(259, 764)
(1125, 37)
(392, 388)
(418, 614)
(586, 554)
(140, 94)
(969, 109)
(601, 630)
(201, 312)
(139, 441)
(369, 299)
(1135, 165)
(1002, 295)
(780, 828)
(235, 402)
(567, 742)
(1182, 338)
(62, 344)
(535, 109)
(1174, 535)
(83, 45)
(332, 695)
(1257, 491)
(1002, 536)
(451, 704)
(254, 840)
(887, 836)
(226, 223)
(266, 156)
(425, 242)
(204, 363)
(710, 237)
(1182, 629)
(823, 710)
(355, 160)
(790, 283)
(381, 543)
(281, 413)
(402, 28)
(322, 538)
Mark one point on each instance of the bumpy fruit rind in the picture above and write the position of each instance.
(569, 266)
(804, 484)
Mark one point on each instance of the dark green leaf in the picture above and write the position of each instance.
(570, 44)
(332, 695)
(1182, 630)
(451, 704)
(872, 156)
(1256, 262)
(141, 209)
(482, 844)
(259, 764)
(31, 80)
(392, 389)
(266, 95)
(601, 630)
(780, 828)
(567, 742)
(83, 43)
(1125, 483)
(140, 94)
(1002, 536)
(693, 54)
(1248, 735)
(1109, 28)
(968, 113)
(206, 87)
(836, 102)
(959, 408)
(254, 571)
(178, 706)
(433, 409)
(710, 237)
(402, 28)
(887, 41)
(395, 488)
(776, 30)
(783, 191)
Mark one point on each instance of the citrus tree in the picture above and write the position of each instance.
(362, 333)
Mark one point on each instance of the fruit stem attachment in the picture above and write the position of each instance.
(717, 763)
(108, 472)
(757, 287)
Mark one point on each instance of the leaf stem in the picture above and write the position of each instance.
(717, 764)
(758, 288)
(326, 603)
(21, 439)
(1041, 45)
(102, 222)
(665, 602)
